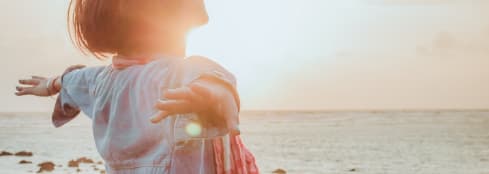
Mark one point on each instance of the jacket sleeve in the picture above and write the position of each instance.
(76, 94)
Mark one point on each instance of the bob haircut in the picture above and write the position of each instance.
(107, 27)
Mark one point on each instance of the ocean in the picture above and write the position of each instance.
(330, 142)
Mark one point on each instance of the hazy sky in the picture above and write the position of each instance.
(290, 54)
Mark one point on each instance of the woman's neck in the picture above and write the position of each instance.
(168, 46)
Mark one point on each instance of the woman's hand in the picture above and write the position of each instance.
(206, 98)
(37, 86)
(42, 86)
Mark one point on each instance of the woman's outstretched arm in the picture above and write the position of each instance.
(42, 86)
(73, 88)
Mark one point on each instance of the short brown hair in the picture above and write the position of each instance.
(106, 27)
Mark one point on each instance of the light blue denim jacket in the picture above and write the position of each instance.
(120, 104)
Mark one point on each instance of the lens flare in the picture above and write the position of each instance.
(193, 129)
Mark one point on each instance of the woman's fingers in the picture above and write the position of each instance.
(192, 99)
(186, 94)
(32, 81)
(182, 93)
(157, 118)
(38, 77)
(20, 88)
(201, 90)
(23, 90)
(170, 107)
(174, 106)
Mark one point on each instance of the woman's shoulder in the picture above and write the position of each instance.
(201, 63)
(198, 59)
(194, 62)
(196, 66)
(82, 73)
(186, 69)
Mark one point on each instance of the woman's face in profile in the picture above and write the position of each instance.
(186, 13)
(198, 12)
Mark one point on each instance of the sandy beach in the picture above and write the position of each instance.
(446, 142)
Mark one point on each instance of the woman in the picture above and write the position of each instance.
(152, 109)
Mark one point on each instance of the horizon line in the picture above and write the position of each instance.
(330, 110)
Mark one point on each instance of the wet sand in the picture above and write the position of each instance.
(297, 142)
